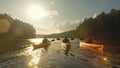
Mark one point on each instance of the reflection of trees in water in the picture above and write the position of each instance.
(113, 55)
(116, 56)
(13, 44)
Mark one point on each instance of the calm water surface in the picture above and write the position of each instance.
(54, 57)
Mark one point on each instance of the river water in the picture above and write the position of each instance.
(54, 57)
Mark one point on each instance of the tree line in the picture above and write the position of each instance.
(17, 29)
(13, 32)
(105, 27)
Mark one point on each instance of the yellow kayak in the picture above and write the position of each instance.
(98, 48)
(41, 45)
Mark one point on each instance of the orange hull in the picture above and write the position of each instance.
(93, 47)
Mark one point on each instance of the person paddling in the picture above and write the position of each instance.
(45, 40)
(67, 46)
(46, 43)
(89, 40)
(66, 40)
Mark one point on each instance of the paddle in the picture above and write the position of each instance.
(52, 40)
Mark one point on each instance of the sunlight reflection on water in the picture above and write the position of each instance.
(36, 40)
(54, 57)
(36, 55)
(27, 51)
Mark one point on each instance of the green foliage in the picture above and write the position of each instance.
(17, 30)
(10, 38)
(104, 27)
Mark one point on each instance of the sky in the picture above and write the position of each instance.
(55, 16)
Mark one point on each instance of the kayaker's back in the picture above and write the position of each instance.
(45, 40)
(65, 40)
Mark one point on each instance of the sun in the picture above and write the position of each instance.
(36, 11)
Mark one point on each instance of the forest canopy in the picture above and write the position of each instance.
(105, 26)
(15, 29)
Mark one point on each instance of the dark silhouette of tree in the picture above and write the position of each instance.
(104, 27)
(18, 29)
(10, 39)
